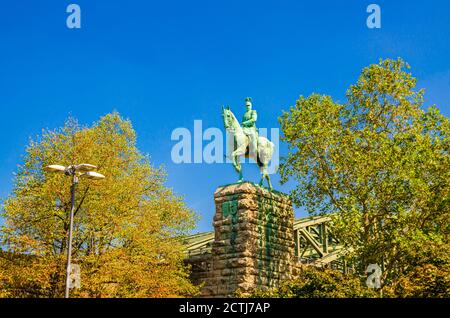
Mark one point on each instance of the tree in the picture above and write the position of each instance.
(127, 227)
(379, 162)
(313, 282)
(429, 274)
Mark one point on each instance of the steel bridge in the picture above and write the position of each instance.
(315, 243)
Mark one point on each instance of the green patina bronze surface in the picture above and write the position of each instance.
(246, 142)
(249, 126)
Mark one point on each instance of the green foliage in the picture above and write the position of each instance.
(380, 162)
(319, 283)
(126, 227)
(428, 273)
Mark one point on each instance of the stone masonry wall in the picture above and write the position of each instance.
(254, 244)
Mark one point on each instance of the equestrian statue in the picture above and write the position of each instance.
(246, 142)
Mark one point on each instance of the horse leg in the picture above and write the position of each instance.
(237, 164)
(262, 176)
(268, 181)
(262, 165)
(265, 175)
(241, 177)
(240, 151)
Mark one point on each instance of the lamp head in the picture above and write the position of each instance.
(85, 167)
(55, 168)
(92, 175)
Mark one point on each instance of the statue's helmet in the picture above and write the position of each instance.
(248, 101)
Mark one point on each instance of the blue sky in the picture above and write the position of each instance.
(164, 64)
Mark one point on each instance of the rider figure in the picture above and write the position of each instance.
(249, 127)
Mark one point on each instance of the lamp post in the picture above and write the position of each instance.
(75, 171)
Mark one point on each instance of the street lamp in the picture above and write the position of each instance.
(83, 170)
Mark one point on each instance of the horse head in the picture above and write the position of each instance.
(227, 117)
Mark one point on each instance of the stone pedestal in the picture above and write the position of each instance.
(253, 246)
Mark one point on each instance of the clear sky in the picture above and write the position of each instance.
(164, 64)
